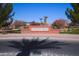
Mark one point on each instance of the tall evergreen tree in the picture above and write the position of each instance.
(6, 14)
(73, 14)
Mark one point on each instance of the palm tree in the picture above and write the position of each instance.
(27, 46)
(45, 19)
(41, 20)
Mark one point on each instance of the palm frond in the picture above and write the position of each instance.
(15, 44)
(35, 45)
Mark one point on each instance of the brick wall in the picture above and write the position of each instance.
(50, 30)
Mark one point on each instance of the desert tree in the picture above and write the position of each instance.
(59, 23)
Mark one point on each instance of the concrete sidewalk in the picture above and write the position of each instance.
(58, 37)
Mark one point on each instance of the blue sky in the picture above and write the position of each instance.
(34, 11)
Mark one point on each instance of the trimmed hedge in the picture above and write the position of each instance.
(12, 31)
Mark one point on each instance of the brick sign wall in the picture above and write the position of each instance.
(39, 29)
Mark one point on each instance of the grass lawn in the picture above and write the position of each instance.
(73, 31)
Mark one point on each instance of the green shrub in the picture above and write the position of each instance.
(14, 31)
(75, 31)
